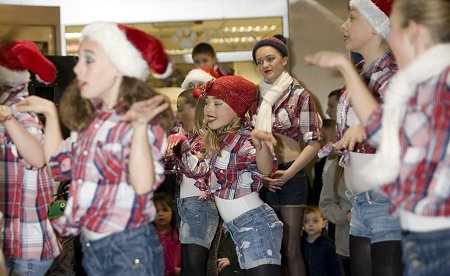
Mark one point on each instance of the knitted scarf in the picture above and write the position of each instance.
(386, 165)
(270, 93)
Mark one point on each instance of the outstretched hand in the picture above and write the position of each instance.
(326, 59)
(173, 141)
(34, 104)
(354, 135)
(260, 136)
(143, 112)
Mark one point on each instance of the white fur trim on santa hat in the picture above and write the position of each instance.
(118, 48)
(10, 77)
(196, 75)
(168, 72)
(376, 17)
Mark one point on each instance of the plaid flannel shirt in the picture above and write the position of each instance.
(294, 115)
(101, 197)
(423, 186)
(25, 192)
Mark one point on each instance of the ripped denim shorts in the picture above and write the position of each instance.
(257, 235)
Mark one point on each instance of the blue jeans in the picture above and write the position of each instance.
(131, 252)
(371, 219)
(199, 221)
(28, 267)
(426, 253)
(257, 235)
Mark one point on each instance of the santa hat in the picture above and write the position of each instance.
(237, 92)
(131, 50)
(376, 12)
(19, 57)
(201, 74)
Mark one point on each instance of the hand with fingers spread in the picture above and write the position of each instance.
(260, 136)
(5, 113)
(143, 112)
(354, 135)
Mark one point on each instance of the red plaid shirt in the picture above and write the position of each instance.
(376, 77)
(101, 197)
(294, 115)
(25, 193)
(423, 186)
(233, 171)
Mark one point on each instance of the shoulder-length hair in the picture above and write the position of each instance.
(77, 113)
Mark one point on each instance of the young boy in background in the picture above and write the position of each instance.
(204, 55)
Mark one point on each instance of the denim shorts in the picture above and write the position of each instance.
(131, 252)
(294, 192)
(426, 253)
(199, 221)
(371, 218)
(28, 267)
(257, 235)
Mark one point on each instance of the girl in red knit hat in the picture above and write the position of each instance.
(238, 161)
(114, 155)
(411, 131)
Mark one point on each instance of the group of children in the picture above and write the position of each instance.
(232, 153)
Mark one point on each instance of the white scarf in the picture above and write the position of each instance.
(270, 93)
(386, 164)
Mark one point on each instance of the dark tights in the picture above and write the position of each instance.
(263, 270)
(381, 258)
(292, 218)
(193, 259)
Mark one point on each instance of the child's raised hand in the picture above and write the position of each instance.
(5, 113)
(34, 104)
(259, 136)
(222, 263)
(144, 111)
(327, 59)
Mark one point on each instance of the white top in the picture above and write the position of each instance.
(188, 188)
(230, 209)
(418, 223)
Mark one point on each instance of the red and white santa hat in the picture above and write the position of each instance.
(131, 50)
(199, 75)
(18, 57)
(376, 12)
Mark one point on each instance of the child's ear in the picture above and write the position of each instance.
(285, 61)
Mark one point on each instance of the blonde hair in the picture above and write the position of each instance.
(77, 112)
(432, 14)
(213, 137)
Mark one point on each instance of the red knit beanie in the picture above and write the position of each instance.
(237, 92)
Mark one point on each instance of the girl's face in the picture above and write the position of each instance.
(270, 63)
(204, 60)
(218, 113)
(163, 216)
(97, 77)
(398, 40)
(185, 114)
(313, 224)
(357, 32)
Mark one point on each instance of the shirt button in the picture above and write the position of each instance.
(85, 152)
(88, 244)
(221, 171)
(96, 125)
(80, 181)
(136, 261)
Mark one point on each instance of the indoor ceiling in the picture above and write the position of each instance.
(179, 37)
